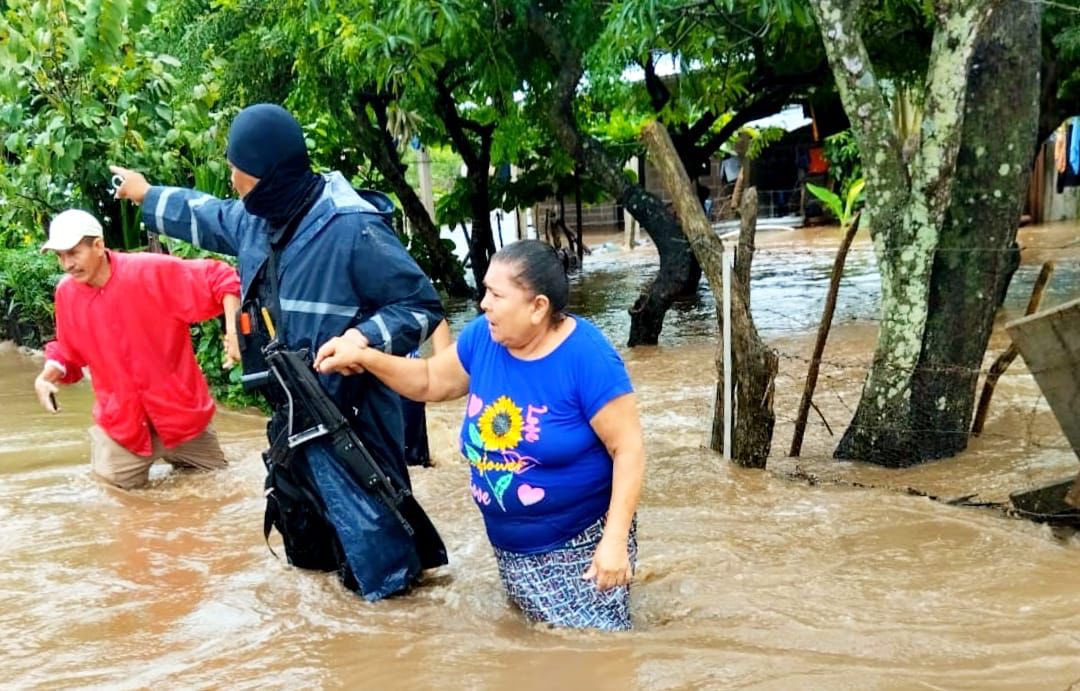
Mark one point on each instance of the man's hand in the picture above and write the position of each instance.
(134, 185)
(46, 393)
(230, 305)
(232, 350)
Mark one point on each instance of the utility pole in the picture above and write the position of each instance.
(423, 169)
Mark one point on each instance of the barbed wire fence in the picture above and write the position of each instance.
(788, 287)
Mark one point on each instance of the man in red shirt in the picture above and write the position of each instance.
(127, 318)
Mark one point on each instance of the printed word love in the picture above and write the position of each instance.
(481, 496)
(532, 422)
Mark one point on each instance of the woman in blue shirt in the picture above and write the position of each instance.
(551, 433)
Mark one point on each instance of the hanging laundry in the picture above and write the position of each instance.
(1061, 138)
(1068, 178)
(729, 169)
(1074, 146)
(818, 163)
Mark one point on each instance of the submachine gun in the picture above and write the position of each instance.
(310, 414)
(309, 407)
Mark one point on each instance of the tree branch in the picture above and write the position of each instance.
(657, 90)
(456, 126)
(946, 86)
(861, 95)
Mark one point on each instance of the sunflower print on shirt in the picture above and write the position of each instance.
(491, 449)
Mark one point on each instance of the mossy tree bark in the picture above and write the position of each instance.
(977, 252)
(905, 209)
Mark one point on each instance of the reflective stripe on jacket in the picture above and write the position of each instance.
(343, 268)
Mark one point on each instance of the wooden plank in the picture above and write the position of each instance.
(1049, 342)
(1046, 504)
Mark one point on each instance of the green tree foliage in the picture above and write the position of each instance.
(80, 92)
(344, 67)
(706, 69)
(1060, 70)
(437, 71)
(83, 91)
(27, 281)
(845, 165)
(842, 209)
(75, 94)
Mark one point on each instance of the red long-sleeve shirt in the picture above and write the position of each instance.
(134, 335)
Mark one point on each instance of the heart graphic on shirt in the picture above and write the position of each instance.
(475, 405)
(529, 495)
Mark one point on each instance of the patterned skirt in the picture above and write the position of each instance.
(548, 587)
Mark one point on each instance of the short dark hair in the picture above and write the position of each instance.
(540, 271)
(88, 240)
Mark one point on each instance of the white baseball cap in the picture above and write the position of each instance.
(69, 227)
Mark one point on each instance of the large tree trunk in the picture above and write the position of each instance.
(905, 207)
(676, 257)
(977, 253)
(481, 239)
(676, 262)
(472, 140)
(753, 362)
(439, 261)
(684, 136)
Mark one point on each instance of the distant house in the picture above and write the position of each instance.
(779, 173)
(1054, 191)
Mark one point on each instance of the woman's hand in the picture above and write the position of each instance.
(610, 565)
(342, 354)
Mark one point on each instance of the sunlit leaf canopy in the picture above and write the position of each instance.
(154, 84)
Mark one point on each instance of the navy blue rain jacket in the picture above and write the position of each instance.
(343, 268)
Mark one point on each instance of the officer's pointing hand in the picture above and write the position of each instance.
(133, 185)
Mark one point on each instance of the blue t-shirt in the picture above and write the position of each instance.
(540, 475)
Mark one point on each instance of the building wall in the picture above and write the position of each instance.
(1056, 206)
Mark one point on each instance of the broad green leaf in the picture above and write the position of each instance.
(853, 197)
(827, 197)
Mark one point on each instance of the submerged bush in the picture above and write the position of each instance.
(27, 281)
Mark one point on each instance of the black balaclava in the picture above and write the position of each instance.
(266, 142)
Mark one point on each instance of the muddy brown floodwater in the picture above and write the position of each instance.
(746, 579)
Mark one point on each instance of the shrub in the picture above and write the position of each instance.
(28, 280)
